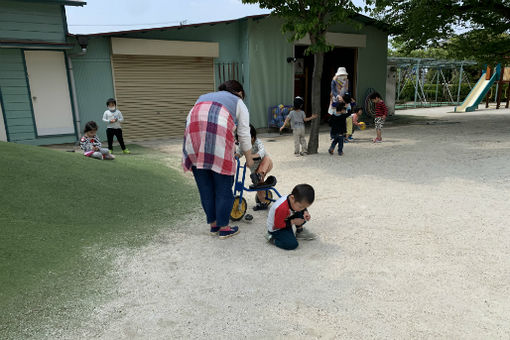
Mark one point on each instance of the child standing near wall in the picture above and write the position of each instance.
(381, 112)
(297, 118)
(113, 117)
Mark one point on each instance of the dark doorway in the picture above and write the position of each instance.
(345, 57)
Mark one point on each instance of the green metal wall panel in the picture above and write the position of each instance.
(31, 21)
(94, 81)
(244, 58)
(372, 61)
(15, 93)
(271, 77)
(26, 138)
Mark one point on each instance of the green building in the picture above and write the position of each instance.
(36, 105)
(157, 74)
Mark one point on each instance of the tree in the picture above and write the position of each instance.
(312, 17)
(469, 29)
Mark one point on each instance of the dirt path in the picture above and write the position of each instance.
(414, 242)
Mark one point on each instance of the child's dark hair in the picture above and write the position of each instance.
(90, 126)
(303, 192)
(340, 106)
(298, 103)
(357, 109)
(111, 100)
(374, 95)
(253, 132)
(232, 86)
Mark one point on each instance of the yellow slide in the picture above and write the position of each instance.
(478, 92)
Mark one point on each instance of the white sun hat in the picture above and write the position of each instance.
(341, 72)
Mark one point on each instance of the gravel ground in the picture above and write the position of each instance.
(413, 242)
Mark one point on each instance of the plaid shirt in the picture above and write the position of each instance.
(209, 136)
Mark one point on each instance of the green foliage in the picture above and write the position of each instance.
(399, 49)
(469, 29)
(407, 93)
(312, 17)
(62, 214)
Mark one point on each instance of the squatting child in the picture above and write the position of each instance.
(297, 118)
(91, 145)
(356, 124)
(287, 211)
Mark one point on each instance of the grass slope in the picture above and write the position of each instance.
(61, 215)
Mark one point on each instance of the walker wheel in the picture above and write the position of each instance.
(269, 195)
(238, 209)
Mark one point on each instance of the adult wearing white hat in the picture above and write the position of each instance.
(339, 86)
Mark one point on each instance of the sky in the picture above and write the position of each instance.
(120, 15)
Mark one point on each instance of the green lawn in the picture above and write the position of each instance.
(62, 217)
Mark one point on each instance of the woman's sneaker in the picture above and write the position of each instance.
(229, 232)
(214, 231)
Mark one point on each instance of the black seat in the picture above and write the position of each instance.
(267, 184)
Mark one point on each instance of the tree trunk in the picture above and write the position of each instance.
(313, 142)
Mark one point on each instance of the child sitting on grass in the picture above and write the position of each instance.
(91, 145)
(287, 211)
(262, 164)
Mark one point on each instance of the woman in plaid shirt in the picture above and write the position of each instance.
(209, 147)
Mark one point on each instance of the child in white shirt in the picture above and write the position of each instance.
(113, 118)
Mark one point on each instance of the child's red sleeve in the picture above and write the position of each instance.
(281, 213)
(383, 108)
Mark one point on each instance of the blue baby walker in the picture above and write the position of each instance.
(240, 206)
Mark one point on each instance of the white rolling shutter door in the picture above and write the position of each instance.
(156, 93)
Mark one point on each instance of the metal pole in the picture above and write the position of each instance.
(460, 83)
(437, 83)
(422, 84)
(398, 86)
(416, 84)
(447, 87)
